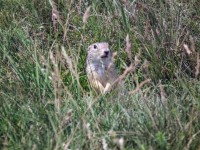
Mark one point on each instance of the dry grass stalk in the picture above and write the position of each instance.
(192, 43)
(147, 29)
(157, 31)
(55, 73)
(112, 133)
(137, 60)
(86, 16)
(70, 66)
(121, 77)
(140, 86)
(188, 126)
(55, 22)
(114, 56)
(125, 2)
(130, 7)
(162, 92)
(67, 20)
(128, 47)
(89, 133)
(56, 81)
(145, 66)
(68, 117)
(5, 143)
(188, 51)
(164, 101)
(66, 145)
(191, 139)
(128, 44)
(129, 69)
(55, 16)
(69, 61)
(197, 66)
(79, 5)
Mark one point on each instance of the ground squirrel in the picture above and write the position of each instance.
(100, 68)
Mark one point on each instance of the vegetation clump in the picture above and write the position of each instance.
(47, 101)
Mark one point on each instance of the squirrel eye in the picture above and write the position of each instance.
(95, 46)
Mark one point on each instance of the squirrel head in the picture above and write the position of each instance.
(99, 51)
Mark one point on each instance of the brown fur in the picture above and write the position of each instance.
(100, 68)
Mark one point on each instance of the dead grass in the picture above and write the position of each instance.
(46, 100)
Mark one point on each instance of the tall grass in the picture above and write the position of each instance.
(46, 101)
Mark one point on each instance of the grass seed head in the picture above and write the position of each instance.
(128, 44)
(86, 15)
(186, 47)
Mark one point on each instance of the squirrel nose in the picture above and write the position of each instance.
(106, 52)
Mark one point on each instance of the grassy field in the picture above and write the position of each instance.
(46, 100)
